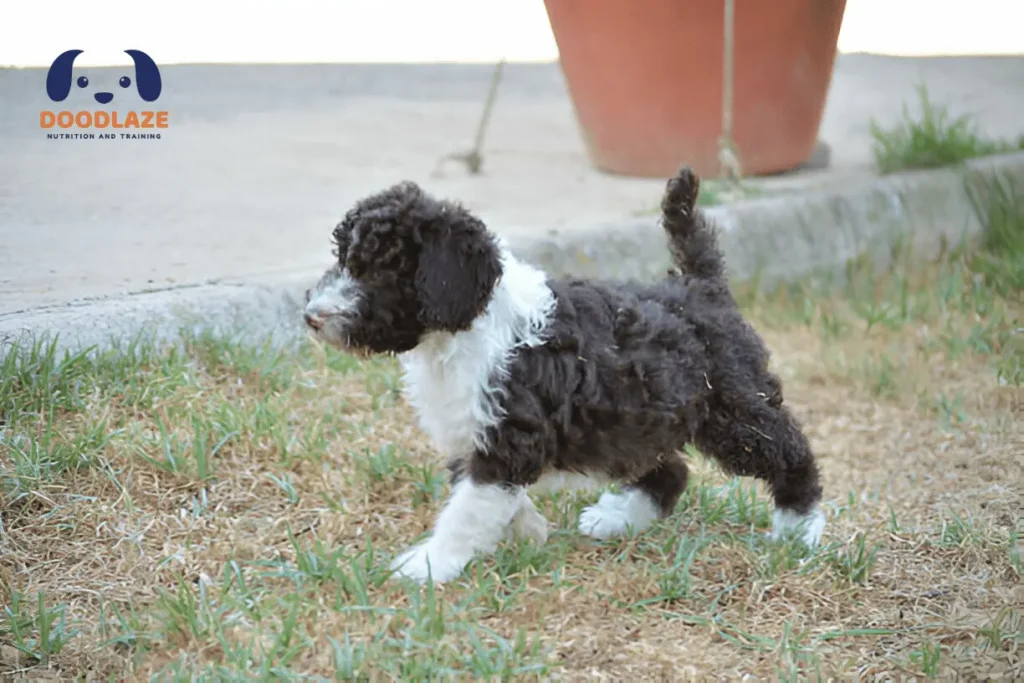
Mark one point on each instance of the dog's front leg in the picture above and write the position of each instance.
(529, 523)
(473, 522)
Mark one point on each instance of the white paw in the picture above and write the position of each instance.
(616, 514)
(787, 524)
(530, 524)
(603, 522)
(428, 560)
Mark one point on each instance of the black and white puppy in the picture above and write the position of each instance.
(524, 381)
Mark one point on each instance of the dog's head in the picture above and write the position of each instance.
(147, 78)
(407, 265)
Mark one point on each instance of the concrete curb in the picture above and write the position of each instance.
(776, 238)
(271, 307)
(789, 236)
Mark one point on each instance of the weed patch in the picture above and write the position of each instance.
(934, 138)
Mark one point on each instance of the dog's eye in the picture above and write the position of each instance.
(82, 81)
(125, 81)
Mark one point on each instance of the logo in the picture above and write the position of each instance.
(102, 124)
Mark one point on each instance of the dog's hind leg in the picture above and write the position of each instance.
(651, 497)
(756, 438)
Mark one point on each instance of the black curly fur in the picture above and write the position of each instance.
(630, 372)
(424, 264)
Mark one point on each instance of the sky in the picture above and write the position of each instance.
(184, 31)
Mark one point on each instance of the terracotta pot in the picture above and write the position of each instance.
(645, 77)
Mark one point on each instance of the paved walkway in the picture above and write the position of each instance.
(261, 161)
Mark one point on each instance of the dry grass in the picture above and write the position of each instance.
(228, 512)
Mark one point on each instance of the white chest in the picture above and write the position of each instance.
(455, 398)
(456, 382)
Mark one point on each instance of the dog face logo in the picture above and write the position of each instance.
(147, 78)
(120, 122)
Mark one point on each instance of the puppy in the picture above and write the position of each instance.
(525, 381)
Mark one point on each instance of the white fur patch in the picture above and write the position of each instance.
(338, 296)
(786, 523)
(555, 480)
(472, 522)
(615, 514)
(529, 523)
(455, 381)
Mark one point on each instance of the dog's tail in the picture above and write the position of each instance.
(693, 241)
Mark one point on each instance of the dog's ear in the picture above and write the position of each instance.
(58, 78)
(458, 267)
(147, 75)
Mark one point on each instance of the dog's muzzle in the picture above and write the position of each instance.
(314, 322)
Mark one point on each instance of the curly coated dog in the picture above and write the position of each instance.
(524, 381)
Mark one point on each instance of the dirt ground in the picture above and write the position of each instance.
(229, 511)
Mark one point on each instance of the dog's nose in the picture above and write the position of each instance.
(104, 97)
(309, 295)
(314, 321)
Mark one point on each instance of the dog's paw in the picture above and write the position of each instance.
(617, 514)
(530, 524)
(807, 528)
(427, 560)
(603, 522)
